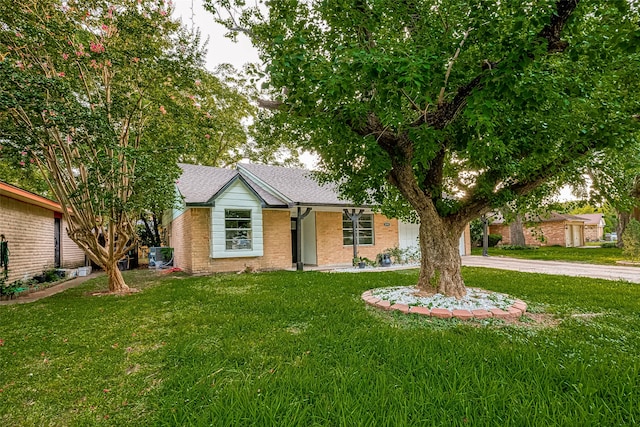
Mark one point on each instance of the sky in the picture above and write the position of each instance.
(220, 49)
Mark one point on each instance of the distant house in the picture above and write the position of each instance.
(545, 230)
(34, 229)
(255, 216)
(593, 227)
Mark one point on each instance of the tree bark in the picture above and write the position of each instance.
(440, 259)
(106, 255)
(516, 232)
(625, 216)
(116, 281)
(623, 221)
(156, 230)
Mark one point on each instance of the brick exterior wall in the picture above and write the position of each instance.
(553, 232)
(190, 237)
(200, 238)
(502, 230)
(72, 256)
(29, 229)
(329, 238)
(179, 235)
(593, 233)
(467, 240)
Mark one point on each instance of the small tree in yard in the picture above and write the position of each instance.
(631, 238)
(85, 88)
(450, 108)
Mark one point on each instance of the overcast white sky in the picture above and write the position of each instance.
(220, 49)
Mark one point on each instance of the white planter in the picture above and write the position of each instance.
(84, 271)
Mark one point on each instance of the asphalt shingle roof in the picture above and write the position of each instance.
(591, 219)
(198, 184)
(276, 185)
(549, 217)
(297, 185)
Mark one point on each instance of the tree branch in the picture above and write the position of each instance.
(453, 60)
(446, 112)
(269, 104)
(552, 31)
(477, 206)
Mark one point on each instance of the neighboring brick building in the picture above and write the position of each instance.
(35, 231)
(545, 230)
(593, 227)
(247, 218)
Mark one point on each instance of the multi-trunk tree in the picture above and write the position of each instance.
(449, 107)
(96, 95)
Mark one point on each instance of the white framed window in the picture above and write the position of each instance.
(238, 230)
(365, 230)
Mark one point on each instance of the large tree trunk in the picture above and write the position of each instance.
(116, 281)
(623, 221)
(516, 232)
(116, 237)
(440, 259)
(625, 217)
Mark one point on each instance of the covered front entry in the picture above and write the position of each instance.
(307, 230)
(408, 237)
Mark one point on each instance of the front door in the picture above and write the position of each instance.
(56, 242)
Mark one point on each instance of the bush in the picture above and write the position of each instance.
(609, 245)
(517, 247)
(401, 256)
(494, 239)
(631, 239)
(396, 254)
(476, 227)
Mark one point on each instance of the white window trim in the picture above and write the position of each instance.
(250, 229)
(236, 197)
(373, 231)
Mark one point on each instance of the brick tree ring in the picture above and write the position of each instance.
(513, 310)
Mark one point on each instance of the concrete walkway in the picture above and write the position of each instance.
(52, 290)
(608, 272)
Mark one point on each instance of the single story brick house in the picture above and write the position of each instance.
(544, 230)
(593, 227)
(269, 217)
(34, 229)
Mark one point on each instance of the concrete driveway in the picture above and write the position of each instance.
(609, 272)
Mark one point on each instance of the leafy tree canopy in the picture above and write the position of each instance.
(99, 95)
(447, 107)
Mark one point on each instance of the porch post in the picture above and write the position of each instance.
(485, 236)
(354, 217)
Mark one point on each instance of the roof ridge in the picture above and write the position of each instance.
(259, 182)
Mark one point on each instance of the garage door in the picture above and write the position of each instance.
(408, 236)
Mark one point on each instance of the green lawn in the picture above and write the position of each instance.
(592, 255)
(302, 349)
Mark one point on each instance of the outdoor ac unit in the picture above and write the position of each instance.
(160, 257)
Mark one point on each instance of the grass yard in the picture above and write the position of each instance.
(592, 255)
(302, 349)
